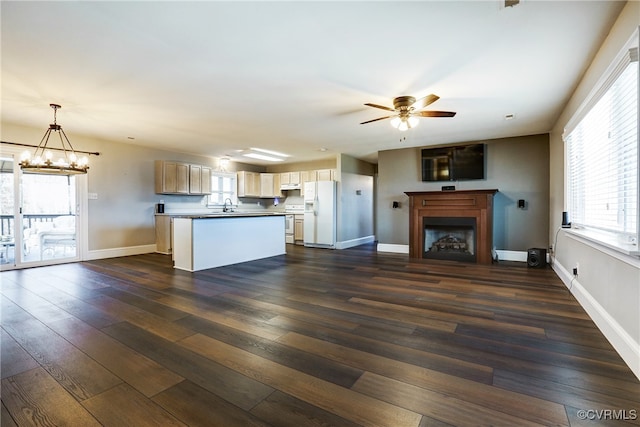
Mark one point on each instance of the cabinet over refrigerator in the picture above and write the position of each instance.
(320, 214)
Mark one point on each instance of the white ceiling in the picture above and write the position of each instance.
(212, 77)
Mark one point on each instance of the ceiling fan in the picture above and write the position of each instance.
(407, 110)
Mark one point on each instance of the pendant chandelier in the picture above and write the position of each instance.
(43, 161)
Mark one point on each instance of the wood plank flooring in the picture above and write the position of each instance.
(311, 338)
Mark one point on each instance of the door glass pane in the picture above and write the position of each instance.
(7, 199)
(49, 217)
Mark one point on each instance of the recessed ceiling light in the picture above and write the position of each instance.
(263, 157)
(270, 152)
(262, 154)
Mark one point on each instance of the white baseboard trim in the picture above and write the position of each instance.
(520, 256)
(345, 244)
(388, 247)
(504, 255)
(621, 341)
(116, 252)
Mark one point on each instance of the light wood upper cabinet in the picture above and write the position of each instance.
(306, 176)
(276, 185)
(205, 180)
(289, 178)
(294, 178)
(266, 184)
(325, 175)
(316, 175)
(270, 185)
(171, 177)
(254, 184)
(195, 177)
(199, 179)
(182, 178)
(248, 184)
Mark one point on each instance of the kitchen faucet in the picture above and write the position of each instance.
(225, 208)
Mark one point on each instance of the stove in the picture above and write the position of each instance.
(294, 209)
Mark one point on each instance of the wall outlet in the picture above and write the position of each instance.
(575, 269)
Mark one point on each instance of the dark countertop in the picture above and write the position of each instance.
(225, 215)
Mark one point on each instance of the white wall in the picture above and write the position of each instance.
(608, 284)
(355, 202)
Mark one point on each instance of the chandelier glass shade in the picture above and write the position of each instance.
(52, 160)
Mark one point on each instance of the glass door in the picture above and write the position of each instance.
(49, 217)
(7, 212)
(39, 217)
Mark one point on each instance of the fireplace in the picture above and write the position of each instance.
(450, 238)
(458, 223)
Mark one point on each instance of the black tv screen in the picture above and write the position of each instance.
(465, 162)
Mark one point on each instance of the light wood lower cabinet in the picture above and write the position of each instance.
(163, 234)
(298, 229)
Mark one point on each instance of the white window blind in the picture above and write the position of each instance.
(602, 153)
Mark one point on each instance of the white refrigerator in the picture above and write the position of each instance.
(320, 214)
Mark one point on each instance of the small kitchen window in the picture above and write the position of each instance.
(223, 186)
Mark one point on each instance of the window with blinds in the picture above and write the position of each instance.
(602, 153)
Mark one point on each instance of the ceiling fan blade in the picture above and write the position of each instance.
(434, 113)
(425, 101)
(380, 106)
(375, 120)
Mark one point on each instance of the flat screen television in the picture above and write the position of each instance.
(458, 163)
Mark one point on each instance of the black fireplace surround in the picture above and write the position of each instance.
(450, 238)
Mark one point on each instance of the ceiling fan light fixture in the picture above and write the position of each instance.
(408, 110)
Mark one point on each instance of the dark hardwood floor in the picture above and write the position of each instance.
(313, 337)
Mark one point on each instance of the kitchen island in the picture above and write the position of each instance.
(216, 240)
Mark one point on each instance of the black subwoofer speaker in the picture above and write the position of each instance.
(536, 257)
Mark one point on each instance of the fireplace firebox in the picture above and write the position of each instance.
(452, 216)
(450, 238)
